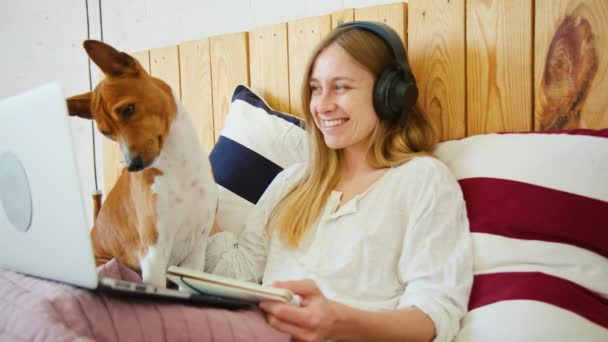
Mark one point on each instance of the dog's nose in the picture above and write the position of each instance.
(136, 164)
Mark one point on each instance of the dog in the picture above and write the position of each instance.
(162, 207)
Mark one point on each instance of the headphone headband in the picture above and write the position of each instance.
(388, 35)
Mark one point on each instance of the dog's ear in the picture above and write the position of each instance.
(80, 105)
(111, 61)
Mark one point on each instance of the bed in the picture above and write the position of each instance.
(517, 90)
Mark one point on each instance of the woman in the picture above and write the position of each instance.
(372, 231)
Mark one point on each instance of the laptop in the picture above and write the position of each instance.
(43, 226)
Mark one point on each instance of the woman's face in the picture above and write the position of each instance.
(341, 99)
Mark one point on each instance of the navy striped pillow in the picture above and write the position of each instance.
(255, 144)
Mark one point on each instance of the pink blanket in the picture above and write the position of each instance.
(37, 310)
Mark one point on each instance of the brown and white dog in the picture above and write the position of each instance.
(161, 209)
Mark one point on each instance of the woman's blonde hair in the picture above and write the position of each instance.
(391, 144)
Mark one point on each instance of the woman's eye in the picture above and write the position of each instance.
(127, 111)
(314, 88)
(341, 87)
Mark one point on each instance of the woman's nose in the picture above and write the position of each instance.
(325, 103)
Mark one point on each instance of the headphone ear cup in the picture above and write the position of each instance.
(387, 100)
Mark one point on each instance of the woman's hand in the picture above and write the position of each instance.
(312, 321)
(319, 318)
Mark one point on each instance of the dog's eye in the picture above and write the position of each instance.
(127, 111)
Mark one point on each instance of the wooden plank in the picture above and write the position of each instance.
(268, 68)
(164, 64)
(436, 48)
(197, 96)
(229, 68)
(571, 64)
(113, 163)
(143, 57)
(303, 37)
(499, 66)
(341, 17)
(394, 15)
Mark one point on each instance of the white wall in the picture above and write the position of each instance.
(42, 41)
(143, 24)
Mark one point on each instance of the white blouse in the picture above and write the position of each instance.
(403, 242)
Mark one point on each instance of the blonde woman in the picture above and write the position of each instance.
(372, 231)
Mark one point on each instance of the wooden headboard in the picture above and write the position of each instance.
(481, 65)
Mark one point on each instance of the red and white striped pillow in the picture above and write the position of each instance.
(538, 209)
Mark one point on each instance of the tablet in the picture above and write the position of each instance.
(202, 282)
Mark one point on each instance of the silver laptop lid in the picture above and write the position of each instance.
(43, 229)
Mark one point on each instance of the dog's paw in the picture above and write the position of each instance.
(156, 276)
(159, 281)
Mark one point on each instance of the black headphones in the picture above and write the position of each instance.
(395, 91)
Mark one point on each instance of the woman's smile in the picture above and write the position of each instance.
(333, 124)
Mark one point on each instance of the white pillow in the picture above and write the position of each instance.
(538, 211)
(255, 144)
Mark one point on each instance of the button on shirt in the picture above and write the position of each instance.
(403, 242)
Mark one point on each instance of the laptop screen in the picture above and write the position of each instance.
(43, 229)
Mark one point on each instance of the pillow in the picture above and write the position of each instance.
(255, 144)
(538, 210)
